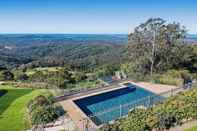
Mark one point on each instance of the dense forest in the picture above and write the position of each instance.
(59, 50)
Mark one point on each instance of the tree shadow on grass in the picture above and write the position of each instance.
(12, 94)
(3, 92)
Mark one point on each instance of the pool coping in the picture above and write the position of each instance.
(82, 114)
(77, 114)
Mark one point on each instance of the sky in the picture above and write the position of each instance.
(91, 16)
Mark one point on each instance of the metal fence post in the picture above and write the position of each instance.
(120, 111)
(171, 92)
(149, 101)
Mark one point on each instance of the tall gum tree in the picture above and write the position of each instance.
(153, 44)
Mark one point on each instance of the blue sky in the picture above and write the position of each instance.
(91, 16)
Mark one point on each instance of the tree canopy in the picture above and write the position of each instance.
(154, 45)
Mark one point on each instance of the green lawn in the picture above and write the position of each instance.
(192, 129)
(87, 84)
(13, 109)
(43, 69)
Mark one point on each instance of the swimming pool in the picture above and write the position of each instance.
(111, 102)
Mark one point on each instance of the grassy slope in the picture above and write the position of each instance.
(192, 129)
(44, 70)
(13, 108)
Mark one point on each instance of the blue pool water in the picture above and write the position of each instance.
(113, 99)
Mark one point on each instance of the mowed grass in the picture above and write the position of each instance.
(43, 69)
(192, 129)
(13, 108)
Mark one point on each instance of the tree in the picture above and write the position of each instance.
(68, 76)
(38, 76)
(80, 76)
(23, 77)
(189, 58)
(154, 44)
(7, 75)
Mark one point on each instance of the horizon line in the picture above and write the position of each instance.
(51, 33)
(56, 33)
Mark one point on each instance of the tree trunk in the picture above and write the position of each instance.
(151, 68)
(153, 54)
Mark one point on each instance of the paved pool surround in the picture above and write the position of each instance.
(78, 115)
(108, 106)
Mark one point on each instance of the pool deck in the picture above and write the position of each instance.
(79, 117)
(155, 88)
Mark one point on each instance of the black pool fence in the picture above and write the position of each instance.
(115, 113)
(75, 92)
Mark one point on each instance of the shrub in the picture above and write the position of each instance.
(42, 110)
(171, 77)
(23, 77)
(166, 79)
(174, 111)
(108, 127)
(136, 121)
(38, 76)
(80, 76)
(133, 72)
(6, 75)
(166, 121)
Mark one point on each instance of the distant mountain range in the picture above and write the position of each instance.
(25, 39)
(59, 49)
(65, 38)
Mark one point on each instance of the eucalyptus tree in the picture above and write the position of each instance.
(154, 44)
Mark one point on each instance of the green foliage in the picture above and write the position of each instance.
(23, 77)
(38, 76)
(80, 76)
(189, 58)
(106, 70)
(1, 76)
(61, 77)
(172, 77)
(129, 68)
(83, 54)
(6, 75)
(88, 84)
(154, 45)
(109, 127)
(42, 110)
(20, 75)
(192, 129)
(174, 111)
(166, 79)
(136, 121)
